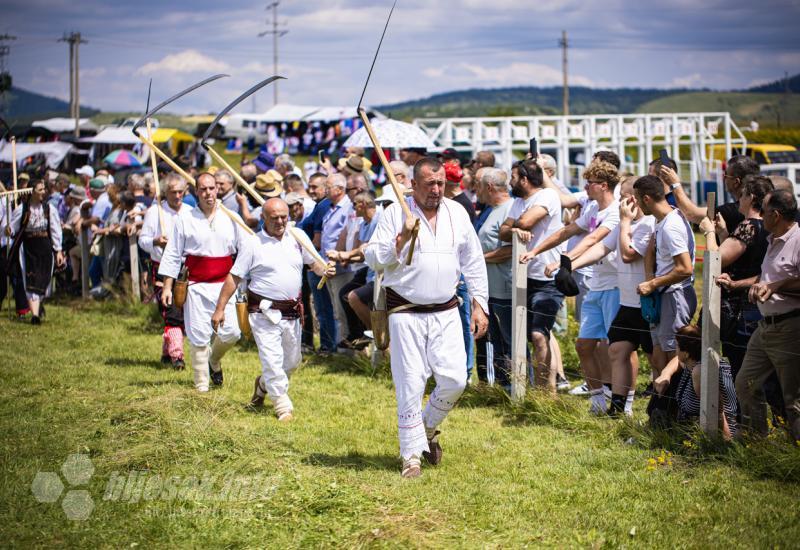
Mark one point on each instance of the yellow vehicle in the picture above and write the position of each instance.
(762, 153)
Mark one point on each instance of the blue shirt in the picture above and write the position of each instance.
(313, 222)
(333, 222)
(189, 199)
(365, 234)
(101, 208)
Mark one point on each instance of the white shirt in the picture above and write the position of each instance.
(673, 237)
(194, 235)
(630, 275)
(151, 228)
(274, 267)
(549, 200)
(4, 221)
(36, 222)
(604, 273)
(439, 259)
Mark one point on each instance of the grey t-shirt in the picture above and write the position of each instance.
(489, 236)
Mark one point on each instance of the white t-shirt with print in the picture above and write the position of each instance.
(604, 273)
(548, 199)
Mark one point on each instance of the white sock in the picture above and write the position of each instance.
(200, 366)
(282, 405)
(218, 349)
(629, 403)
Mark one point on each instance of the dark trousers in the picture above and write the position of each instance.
(500, 338)
(308, 318)
(354, 324)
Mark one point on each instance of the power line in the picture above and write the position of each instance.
(276, 34)
(5, 77)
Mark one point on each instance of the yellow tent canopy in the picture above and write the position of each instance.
(175, 139)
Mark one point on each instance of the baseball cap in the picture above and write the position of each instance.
(85, 170)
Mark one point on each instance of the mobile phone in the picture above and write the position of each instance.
(664, 158)
(533, 147)
(321, 155)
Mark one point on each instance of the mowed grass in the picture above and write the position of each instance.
(542, 474)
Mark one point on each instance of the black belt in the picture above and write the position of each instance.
(773, 319)
(396, 304)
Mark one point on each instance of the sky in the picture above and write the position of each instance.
(430, 47)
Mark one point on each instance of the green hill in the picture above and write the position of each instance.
(24, 107)
(769, 109)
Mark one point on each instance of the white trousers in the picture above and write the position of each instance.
(425, 344)
(279, 351)
(201, 301)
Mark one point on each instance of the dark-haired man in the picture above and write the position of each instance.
(772, 347)
(535, 215)
(424, 325)
(674, 251)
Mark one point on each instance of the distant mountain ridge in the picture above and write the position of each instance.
(23, 107)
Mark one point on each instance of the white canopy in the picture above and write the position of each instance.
(60, 125)
(122, 136)
(285, 112)
(54, 151)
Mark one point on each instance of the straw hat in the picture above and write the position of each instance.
(355, 165)
(269, 184)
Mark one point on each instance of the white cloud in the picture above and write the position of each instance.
(513, 74)
(187, 61)
(694, 80)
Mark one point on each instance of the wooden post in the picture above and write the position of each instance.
(136, 289)
(85, 262)
(709, 373)
(519, 320)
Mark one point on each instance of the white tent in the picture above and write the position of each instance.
(119, 136)
(54, 151)
(60, 125)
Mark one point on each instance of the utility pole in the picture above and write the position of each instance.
(5, 77)
(563, 43)
(276, 33)
(74, 40)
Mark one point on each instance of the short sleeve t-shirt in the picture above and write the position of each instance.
(629, 275)
(489, 235)
(673, 237)
(548, 199)
(604, 274)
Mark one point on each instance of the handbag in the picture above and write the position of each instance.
(651, 307)
(96, 248)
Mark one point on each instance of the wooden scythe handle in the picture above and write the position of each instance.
(260, 200)
(154, 164)
(236, 219)
(398, 189)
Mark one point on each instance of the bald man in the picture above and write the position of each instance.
(272, 261)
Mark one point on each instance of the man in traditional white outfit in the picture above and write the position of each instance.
(272, 262)
(207, 238)
(152, 241)
(424, 323)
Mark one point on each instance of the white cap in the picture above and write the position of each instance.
(85, 170)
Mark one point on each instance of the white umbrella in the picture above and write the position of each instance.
(392, 134)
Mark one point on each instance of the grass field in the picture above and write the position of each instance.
(541, 474)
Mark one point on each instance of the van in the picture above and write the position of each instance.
(762, 153)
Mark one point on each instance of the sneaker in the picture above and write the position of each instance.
(305, 349)
(257, 400)
(36, 320)
(596, 410)
(562, 384)
(360, 343)
(434, 455)
(412, 468)
(369, 334)
(178, 364)
(216, 376)
(583, 389)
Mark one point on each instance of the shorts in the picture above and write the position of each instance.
(544, 301)
(677, 309)
(597, 313)
(365, 294)
(630, 326)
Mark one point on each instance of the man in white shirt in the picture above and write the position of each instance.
(674, 251)
(535, 215)
(152, 241)
(272, 262)
(597, 220)
(629, 240)
(207, 238)
(424, 324)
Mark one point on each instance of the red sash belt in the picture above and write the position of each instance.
(207, 269)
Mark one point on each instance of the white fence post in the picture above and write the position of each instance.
(519, 321)
(136, 289)
(709, 373)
